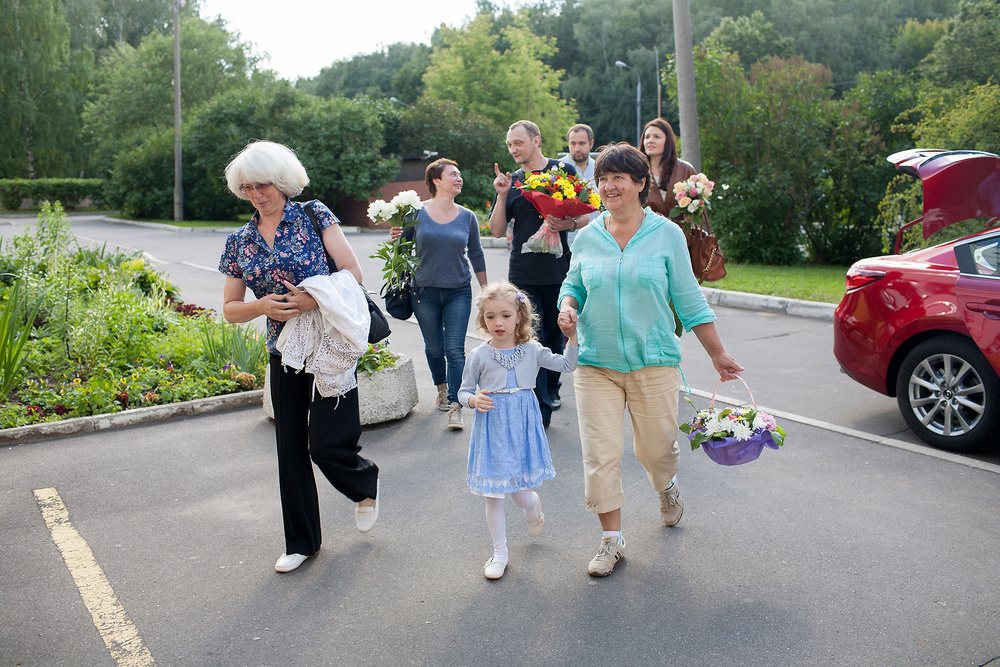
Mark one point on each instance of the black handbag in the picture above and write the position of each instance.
(380, 326)
(399, 301)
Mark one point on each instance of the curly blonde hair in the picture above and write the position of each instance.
(508, 292)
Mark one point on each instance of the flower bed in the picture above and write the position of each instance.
(90, 331)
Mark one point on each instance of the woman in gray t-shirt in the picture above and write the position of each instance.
(447, 240)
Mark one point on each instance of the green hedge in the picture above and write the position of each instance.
(69, 191)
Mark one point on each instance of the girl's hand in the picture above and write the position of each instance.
(394, 232)
(481, 401)
(727, 366)
(567, 320)
(567, 325)
(299, 299)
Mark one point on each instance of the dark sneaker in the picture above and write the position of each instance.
(555, 402)
(604, 562)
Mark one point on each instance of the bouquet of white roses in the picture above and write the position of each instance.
(732, 436)
(398, 255)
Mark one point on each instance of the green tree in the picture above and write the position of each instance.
(502, 85)
(129, 21)
(864, 131)
(914, 40)
(969, 51)
(472, 140)
(605, 94)
(973, 123)
(396, 71)
(339, 142)
(38, 105)
(133, 91)
(751, 37)
(766, 135)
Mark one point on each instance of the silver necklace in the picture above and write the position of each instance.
(508, 361)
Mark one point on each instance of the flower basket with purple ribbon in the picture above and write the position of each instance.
(733, 436)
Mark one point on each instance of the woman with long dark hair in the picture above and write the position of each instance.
(660, 146)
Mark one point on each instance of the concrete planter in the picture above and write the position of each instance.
(383, 396)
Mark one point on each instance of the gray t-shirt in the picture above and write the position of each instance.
(442, 249)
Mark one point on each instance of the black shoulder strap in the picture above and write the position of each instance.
(315, 223)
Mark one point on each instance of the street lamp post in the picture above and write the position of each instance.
(178, 166)
(638, 102)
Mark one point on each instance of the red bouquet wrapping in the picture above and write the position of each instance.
(560, 195)
(546, 205)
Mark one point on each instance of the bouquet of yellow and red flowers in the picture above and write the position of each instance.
(556, 193)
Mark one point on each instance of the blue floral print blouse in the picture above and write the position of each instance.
(298, 254)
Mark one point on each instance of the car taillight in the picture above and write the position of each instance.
(858, 278)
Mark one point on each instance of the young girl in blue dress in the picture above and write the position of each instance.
(509, 452)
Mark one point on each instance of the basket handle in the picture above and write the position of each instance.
(712, 404)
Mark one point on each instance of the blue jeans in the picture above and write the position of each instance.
(443, 314)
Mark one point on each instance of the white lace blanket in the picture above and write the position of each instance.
(327, 342)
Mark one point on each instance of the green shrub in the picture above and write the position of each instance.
(69, 191)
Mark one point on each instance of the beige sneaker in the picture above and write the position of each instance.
(455, 416)
(442, 399)
(671, 507)
(606, 559)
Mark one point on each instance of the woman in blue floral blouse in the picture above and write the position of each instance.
(271, 254)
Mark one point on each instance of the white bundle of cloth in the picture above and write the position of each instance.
(328, 341)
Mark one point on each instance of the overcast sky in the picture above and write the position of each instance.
(303, 36)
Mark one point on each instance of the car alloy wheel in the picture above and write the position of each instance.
(948, 393)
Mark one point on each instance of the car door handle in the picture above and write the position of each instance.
(987, 309)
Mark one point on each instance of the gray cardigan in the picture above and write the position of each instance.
(481, 369)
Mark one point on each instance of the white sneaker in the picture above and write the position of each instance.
(455, 416)
(365, 517)
(289, 562)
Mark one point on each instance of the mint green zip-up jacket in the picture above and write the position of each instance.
(625, 320)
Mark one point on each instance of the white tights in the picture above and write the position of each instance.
(526, 500)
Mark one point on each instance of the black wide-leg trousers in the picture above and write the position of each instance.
(324, 431)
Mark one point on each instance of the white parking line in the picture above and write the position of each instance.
(861, 435)
(199, 266)
(116, 629)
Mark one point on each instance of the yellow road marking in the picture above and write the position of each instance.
(116, 629)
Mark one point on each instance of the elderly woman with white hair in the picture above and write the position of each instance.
(275, 251)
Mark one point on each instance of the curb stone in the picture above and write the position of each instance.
(150, 415)
(175, 229)
(772, 304)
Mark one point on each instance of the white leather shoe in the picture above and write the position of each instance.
(535, 528)
(494, 568)
(365, 517)
(289, 562)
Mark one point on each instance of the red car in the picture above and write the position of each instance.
(925, 326)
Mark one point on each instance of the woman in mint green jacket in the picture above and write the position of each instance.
(626, 267)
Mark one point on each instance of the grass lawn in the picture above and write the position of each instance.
(812, 283)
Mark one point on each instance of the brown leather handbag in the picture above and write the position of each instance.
(707, 261)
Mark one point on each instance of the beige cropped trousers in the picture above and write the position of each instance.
(651, 395)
